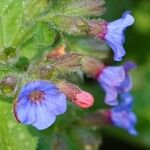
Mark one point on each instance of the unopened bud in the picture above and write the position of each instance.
(84, 99)
(56, 53)
(44, 71)
(79, 97)
(68, 62)
(8, 84)
(9, 55)
(92, 66)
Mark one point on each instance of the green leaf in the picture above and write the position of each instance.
(13, 135)
(10, 20)
(44, 35)
(89, 46)
(33, 8)
(23, 34)
(29, 49)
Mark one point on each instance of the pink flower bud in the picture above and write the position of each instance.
(84, 99)
(79, 97)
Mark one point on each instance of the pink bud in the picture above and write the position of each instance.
(84, 99)
(79, 97)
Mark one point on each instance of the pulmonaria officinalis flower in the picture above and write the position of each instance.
(115, 80)
(122, 115)
(38, 104)
(113, 33)
(79, 97)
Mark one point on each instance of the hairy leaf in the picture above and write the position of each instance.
(13, 135)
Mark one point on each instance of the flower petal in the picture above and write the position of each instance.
(127, 100)
(46, 86)
(126, 85)
(115, 34)
(22, 111)
(43, 85)
(133, 117)
(112, 76)
(44, 118)
(30, 114)
(128, 19)
(111, 95)
(122, 115)
(121, 118)
(132, 131)
(129, 66)
(56, 103)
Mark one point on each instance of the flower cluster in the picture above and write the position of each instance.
(122, 115)
(113, 33)
(40, 101)
(114, 80)
(46, 91)
(117, 84)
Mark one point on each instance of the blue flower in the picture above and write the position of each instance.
(114, 35)
(122, 115)
(38, 104)
(115, 80)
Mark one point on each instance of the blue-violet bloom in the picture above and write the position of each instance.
(114, 34)
(115, 80)
(122, 115)
(38, 104)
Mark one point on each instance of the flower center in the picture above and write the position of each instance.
(36, 96)
(100, 71)
(104, 31)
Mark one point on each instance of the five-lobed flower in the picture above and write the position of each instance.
(122, 115)
(113, 34)
(38, 104)
(115, 80)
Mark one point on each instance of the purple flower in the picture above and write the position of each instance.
(115, 80)
(38, 104)
(122, 115)
(114, 35)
